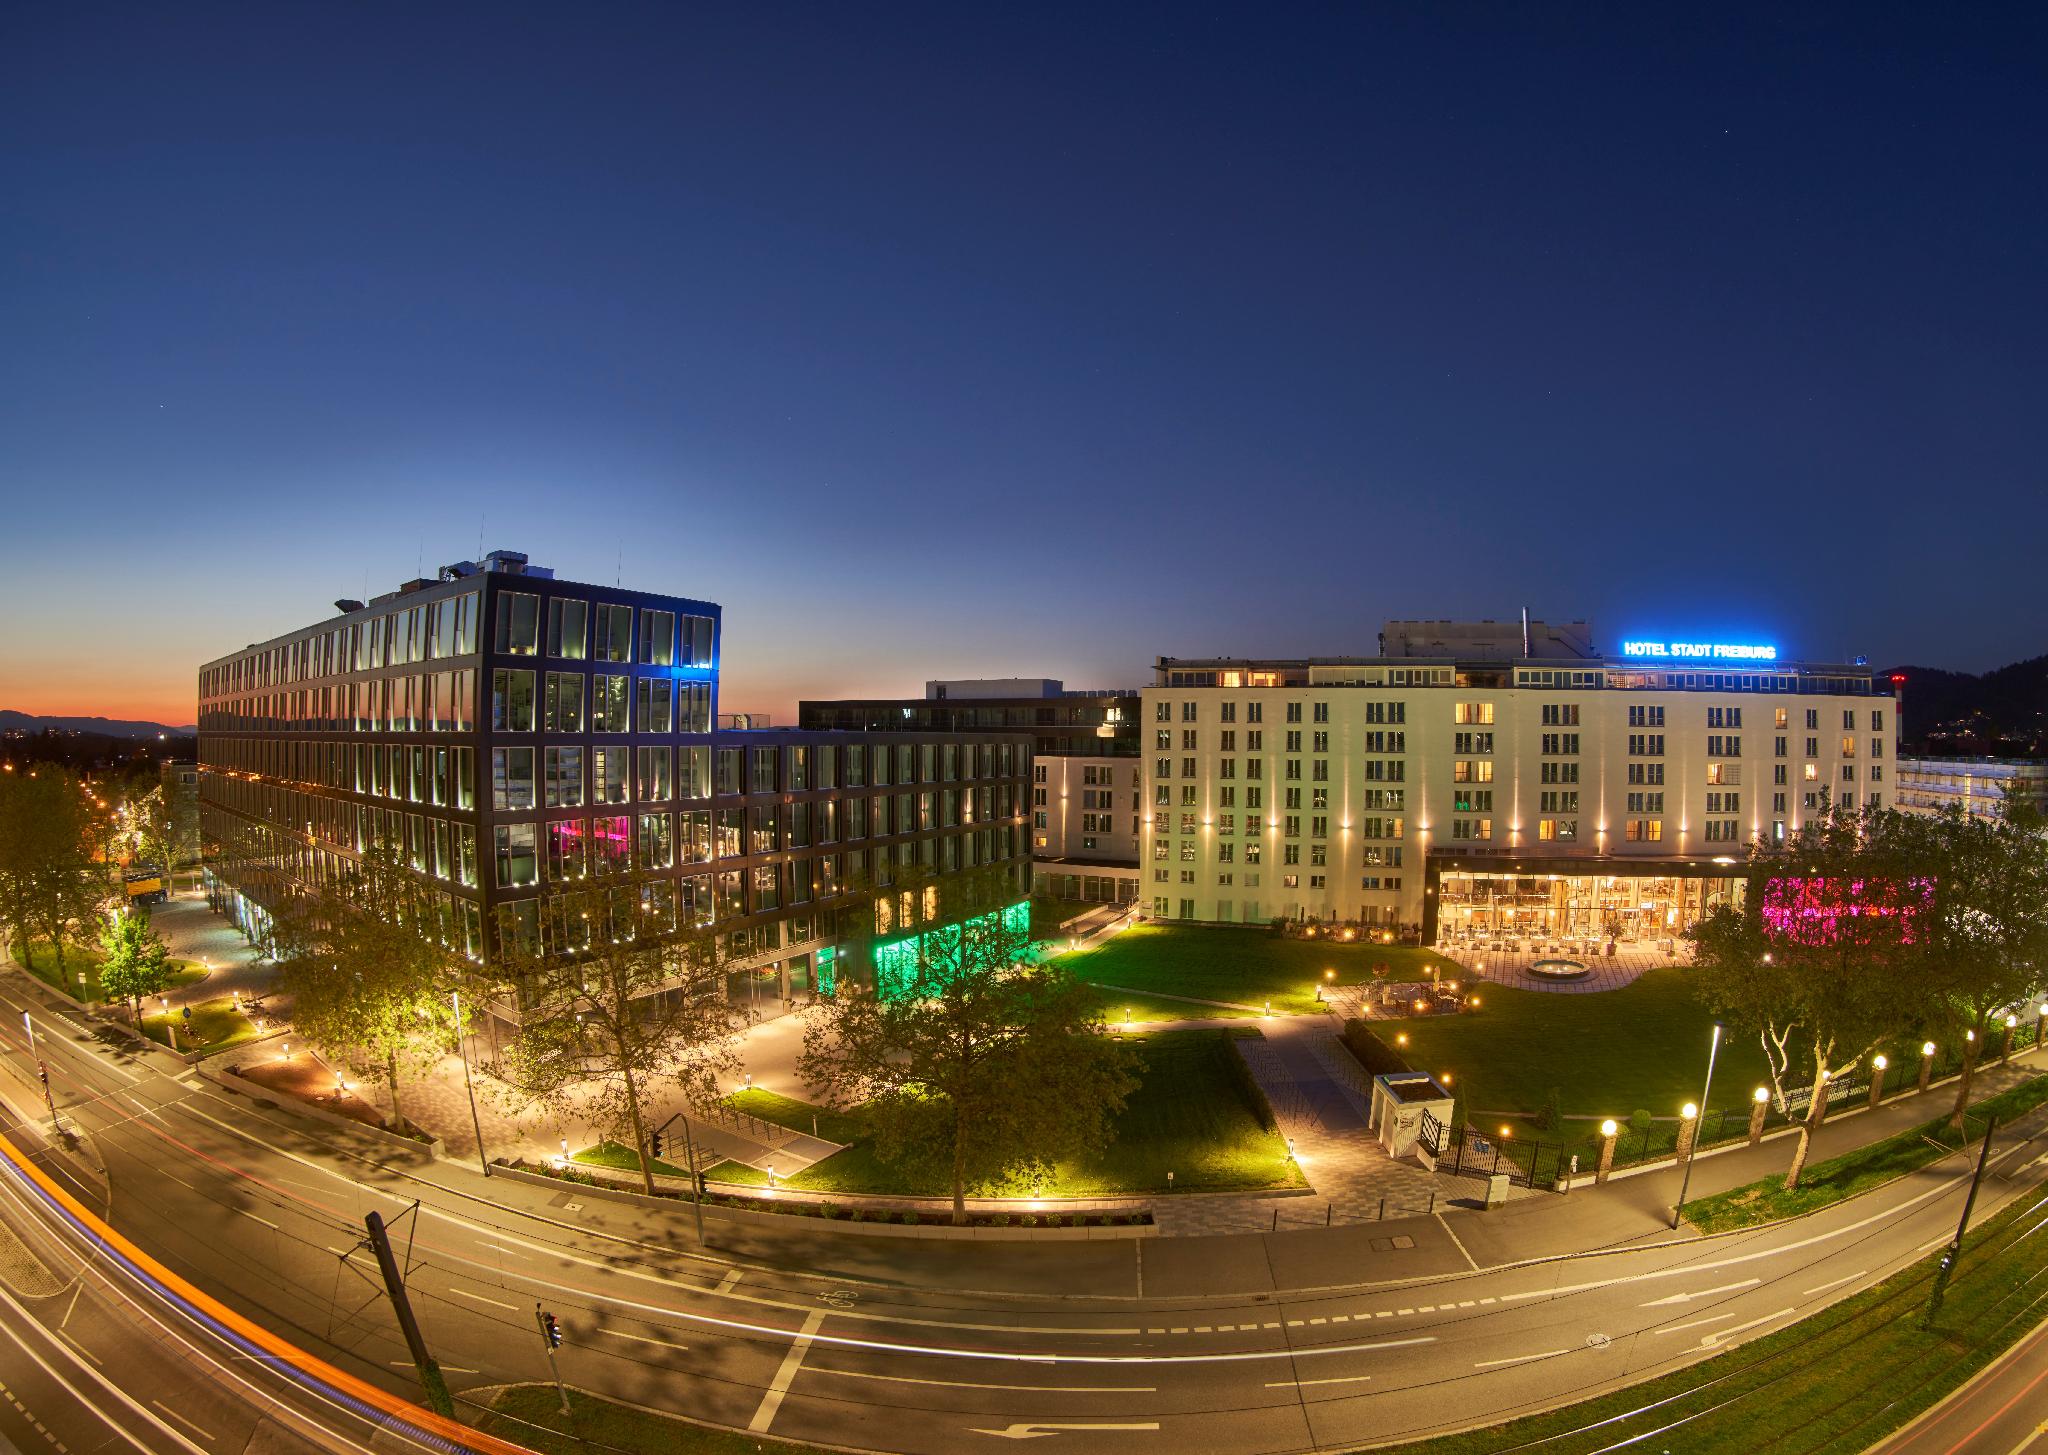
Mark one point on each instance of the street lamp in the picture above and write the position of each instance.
(1759, 1107)
(1705, 1093)
(1877, 1065)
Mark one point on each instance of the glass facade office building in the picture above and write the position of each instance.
(509, 733)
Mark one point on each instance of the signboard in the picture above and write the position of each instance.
(1700, 651)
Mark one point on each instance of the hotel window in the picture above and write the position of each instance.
(1472, 800)
(1724, 717)
(1472, 743)
(609, 768)
(1812, 719)
(1848, 746)
(614, 641)
(464, 775)
(562, 777)
(1319, 742)
(1472, 712)
(657, 783)
(1645, 831)
(1646, 717)
(1724, 803)
(562, 703)
(518, 625)
(517, 866)
(657, 637)
(610, 707)
(1724, 747)
(1255, 712)
(1641, 745)
(1780, 718)
(1646, 803)
(1876, 721)
(1188, 742)
(1723, 831)
(1780, 773)
(657, 704)
(511, 779)
(1848, 772)
(1471, 828)
(511, 701)
(568, 628)
(1162, 712)
(568, 850)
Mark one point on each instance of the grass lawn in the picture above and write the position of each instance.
(611, 1154)
(531, 1415)
(1608, 1052)
(1189, 1116)
(799, 1116)
(215, 1026)
(1242, 966)
(1858, 1171)
(42, 963)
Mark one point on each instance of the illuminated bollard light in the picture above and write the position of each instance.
(1759, 1107)
(1877, 1065)
(1926, 1063)
(1608, 1131)
(2011, 1024)
(1688, 1130)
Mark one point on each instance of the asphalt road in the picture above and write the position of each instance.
(1317, 1339)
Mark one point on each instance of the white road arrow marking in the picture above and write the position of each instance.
(1703, 1293)
(1714, 1341)
(1035, 1431)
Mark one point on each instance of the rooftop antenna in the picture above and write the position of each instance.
(619, 566)
(1525, 631)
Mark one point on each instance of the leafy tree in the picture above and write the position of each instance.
(1817, 958)
(620, 997)
(1983, 941)
(368, 973)
(135, 962)
(52, 881)
(969, 1057)
(167, 826)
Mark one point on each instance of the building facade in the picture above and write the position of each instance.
(507, 732)
(1087, 789)
(1986, 788)
(1561, 792)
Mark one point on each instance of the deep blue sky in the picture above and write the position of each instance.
(966, 339)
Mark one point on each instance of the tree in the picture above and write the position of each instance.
(135, 962)
(52, 883)
(367, 970)
(1817, 958)
(1983, 942)
(620, 998)
(167, 825)
(966, 1055)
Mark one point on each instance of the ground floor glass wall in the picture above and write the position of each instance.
(1628, 907)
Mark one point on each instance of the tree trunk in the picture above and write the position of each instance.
(639, 1135)
(1816, 1112)
(1970, 1048)
(391, 1075)
(959, 1169)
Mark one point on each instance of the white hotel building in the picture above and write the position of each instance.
(1487, 779)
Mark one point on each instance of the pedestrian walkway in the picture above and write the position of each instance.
(1322, 1104)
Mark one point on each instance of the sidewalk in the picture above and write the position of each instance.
(1637, 1206)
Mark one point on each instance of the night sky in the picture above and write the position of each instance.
(976, 340)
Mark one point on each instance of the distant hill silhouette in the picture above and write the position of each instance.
(2001, 713)
(107, 727)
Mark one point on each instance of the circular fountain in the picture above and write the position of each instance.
(1559, 970)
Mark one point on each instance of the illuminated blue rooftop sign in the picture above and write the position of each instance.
(1700, 651)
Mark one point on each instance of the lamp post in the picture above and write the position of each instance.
(1692, 1124)
(1926, 1064)
(1877, 1065)
(2041, 1027)
(1759, 1107)
(462, 1048)
(1609, 1130)
(2011, 1024)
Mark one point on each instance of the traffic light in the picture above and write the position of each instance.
(550, 1330)
(654, 1144)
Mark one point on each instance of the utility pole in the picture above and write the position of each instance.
(455, 999)
(1954, 1251)
(430, 1372)
(1698, 1124)
(43, 1073)
(551, 1339)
